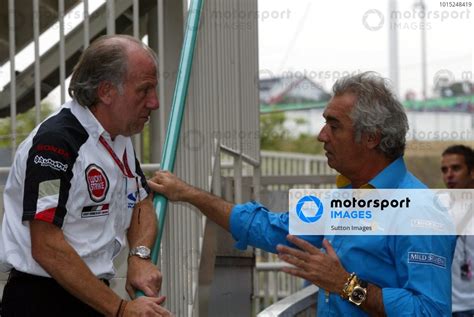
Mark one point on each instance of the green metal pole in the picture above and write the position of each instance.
(176, 117)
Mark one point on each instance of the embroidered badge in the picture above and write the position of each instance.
(95, 211)
(55, 165)
(97, 183)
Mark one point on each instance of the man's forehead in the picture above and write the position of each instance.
(340, 107)
(453, 159)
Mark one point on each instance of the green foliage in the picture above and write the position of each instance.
(25, 123)
(272, 131)
(274, 136)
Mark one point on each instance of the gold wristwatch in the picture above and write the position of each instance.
(355, 290)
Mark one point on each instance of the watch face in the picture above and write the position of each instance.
(142, 251)
(358, 294)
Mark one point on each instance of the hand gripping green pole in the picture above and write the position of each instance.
(176, 116)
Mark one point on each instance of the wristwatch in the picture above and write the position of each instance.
(355, 290)
(141, 251)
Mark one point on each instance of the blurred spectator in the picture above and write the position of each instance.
(457, 167)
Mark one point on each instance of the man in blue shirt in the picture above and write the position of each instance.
(364, 140)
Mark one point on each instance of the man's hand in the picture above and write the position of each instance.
(322, 269)
(173, 188)
(170, 186)
(146, 306)
(142, 275)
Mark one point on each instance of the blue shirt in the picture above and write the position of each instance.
(409, 289)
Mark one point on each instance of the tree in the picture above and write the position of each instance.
(272, 131)
(274, 136)
(25, 123)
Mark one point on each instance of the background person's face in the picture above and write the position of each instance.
(344, 154)
(455, 172)
(133, 107)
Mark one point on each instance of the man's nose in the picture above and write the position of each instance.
(450, 173)
(322, 136)
(153, 102)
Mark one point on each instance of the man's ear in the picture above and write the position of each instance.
(105, 92)
(372, 140)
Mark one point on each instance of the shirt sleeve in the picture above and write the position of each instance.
(252, 224)
(48, 175)
(144, 188)
(423, 264)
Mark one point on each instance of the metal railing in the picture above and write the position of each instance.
(300, 304)
(270, 284)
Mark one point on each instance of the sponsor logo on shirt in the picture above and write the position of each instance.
(55, 165)
(54, 149)
(132, 199)
(426, 258)
(97, 183)
(95, 211)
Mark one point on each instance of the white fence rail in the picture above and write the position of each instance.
(300, 304)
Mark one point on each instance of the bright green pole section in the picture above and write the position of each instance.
(176, 117)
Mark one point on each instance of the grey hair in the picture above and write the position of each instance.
(106, 59)
(376, 110)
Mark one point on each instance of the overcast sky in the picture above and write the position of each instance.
(332, 37)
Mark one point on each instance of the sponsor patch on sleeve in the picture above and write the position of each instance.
(47, 162)
(427, 259)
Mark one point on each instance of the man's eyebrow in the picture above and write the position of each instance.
(145, 84)
(331, 118)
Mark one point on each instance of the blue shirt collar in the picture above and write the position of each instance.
(391, 176)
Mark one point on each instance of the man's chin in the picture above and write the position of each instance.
(330, 162)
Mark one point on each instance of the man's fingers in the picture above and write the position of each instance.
(162, 311)
(160, 300)
(130, 291)
(155, 186)
(282, 249)
(329, 249)
(302, 244)
(292, 260)
(150, 292)
(297, 272)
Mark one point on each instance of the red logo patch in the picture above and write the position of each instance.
(54, 149)
(97, 183)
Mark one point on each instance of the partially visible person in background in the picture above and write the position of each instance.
(457, 168)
